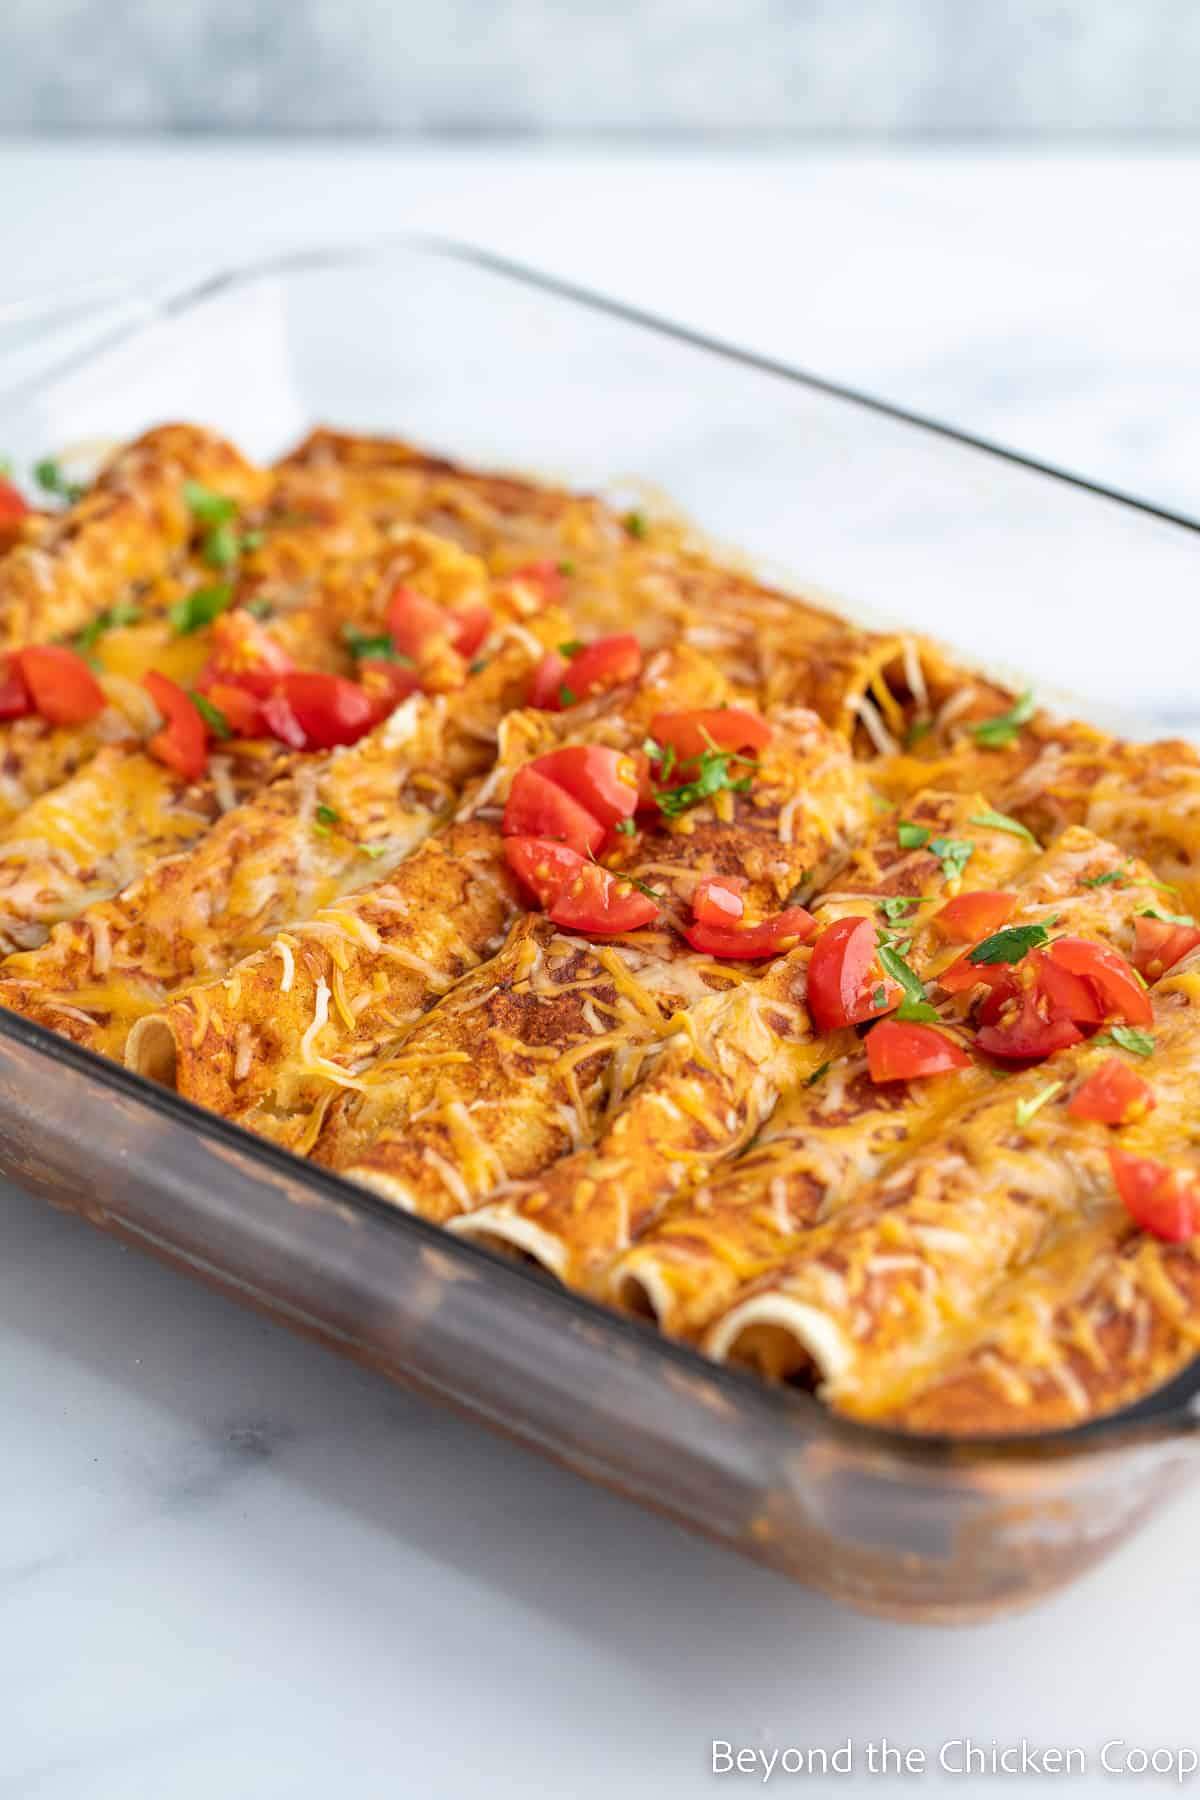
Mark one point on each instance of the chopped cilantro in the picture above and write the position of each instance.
(1001, 822)
(566, 568)
(379, 648)
(898, 906)
(1128, 1037)
(374, 851)
(1025, 1109)
(954, 854)
(914, 1004)
(212, 715)
(657, 754)
(1009, 945)
(206, 505)
(258, 608)
(221, 546)
(572, 647)
(253, 540)
(566, 696)
(911, 835)
(712, 777)
(816, 1075)
(326, 815)
(123, 613)
(920, 728)
(51, 480)
(635, 524)
(478, 666)
(879, 997)
(1113, 875)
(199, 608)
(626, 827)
(998, 733)
(642, 887)
(1152, 912)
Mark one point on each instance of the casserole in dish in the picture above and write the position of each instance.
(818, 691)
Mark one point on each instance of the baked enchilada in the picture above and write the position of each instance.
(784, 983)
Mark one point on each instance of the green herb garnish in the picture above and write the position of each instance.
(1025, 1109)
(123, 613)
(954, 854)
(206, 505)
(1009, 945)
(920, 728)
(212, 715)
(1152, 912)
(258, 608)
(566, 696)
(656, 753)
(221, 546)
(635, 524)
(898, 906)
(912, 836)
(1107, 880)
(51, 480)
(712, 777)
(626, 827)
(914, 1004)
(879, 997)
(816, 1075)
(572, 647)
(1001, 822)
(378, 647)
(374, 851)
(998, 733)
(1128, 1037)
(326, 815)
(199, 608)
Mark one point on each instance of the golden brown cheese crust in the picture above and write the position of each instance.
(659, 1127)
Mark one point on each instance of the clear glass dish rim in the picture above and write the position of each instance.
(1169, 1413)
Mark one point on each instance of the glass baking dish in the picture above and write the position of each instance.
(1018, 565)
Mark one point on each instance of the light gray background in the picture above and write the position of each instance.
(668, 67)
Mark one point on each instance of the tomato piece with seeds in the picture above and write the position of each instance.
(905, 1050)
(969, 918)
(542, 865)
(1161, 1200)
(718, 900)
(601, 779)
(61, 686)
(1158, 944)
(600, 903)
(690, 734)
(750, 943)
(1113, 1094)
(846, 985)
(183, 741)
(538, 807)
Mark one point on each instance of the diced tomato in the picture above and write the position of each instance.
(690, 734)
(469, 625)
(1158, 945)
(603, 665)
(969, 918)
(1066, 995)
(962, 974)
(61, 686)
(13, 504)
(544, 866)
(1113, 1094)
(1120, 993)
(15, 700)
(538, 807)
(544, 574)
(903, 1049)
(602, 780)
(241, 710)
(281, 722)
(1024, 1033)
(598, 902)
(328, 710)
(845, 983)
(244, 655)
(386, 683)
(415, 622)
(718, 900)
(1162, 1200)
(183, 741)
(770, 937)
(549, 679)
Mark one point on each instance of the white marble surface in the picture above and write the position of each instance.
(232, 1565)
